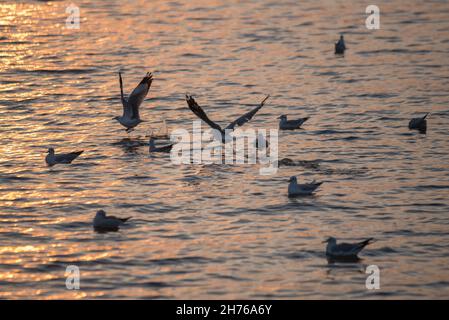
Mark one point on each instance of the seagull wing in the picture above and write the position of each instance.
(341, 44)
(364, 243)
(247, 116)
(139, 94)
(199, 112)
(67, 157)
(166, 148)
(352, 248)
(127, 111)
(311, 186)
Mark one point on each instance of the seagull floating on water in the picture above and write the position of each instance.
(285, 124)
(153, 147)
(199, 112)
(107, 223)
(418, 124)
(344, 250)
(306, 189)
(62, 158)
(130, 117)
(340, 46)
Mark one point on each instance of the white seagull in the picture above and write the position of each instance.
(306, 189)
(285, 124)
(344, 250)
(199, 112)
(418, 124)
(340, 46)
(130, 117)
(51, 159)
(103, 222)
(153, 147)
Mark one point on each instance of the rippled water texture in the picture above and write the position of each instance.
(211, 231)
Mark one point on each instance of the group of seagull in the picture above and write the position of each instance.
(131, 118)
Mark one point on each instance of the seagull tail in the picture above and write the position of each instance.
(121, 86)
(366, 242)
(125, 219)
(426, 115)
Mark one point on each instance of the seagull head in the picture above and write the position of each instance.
(101, 213)
(330, 240)
(341, 37)
(51, 151)
(283, 117)
(292, 179)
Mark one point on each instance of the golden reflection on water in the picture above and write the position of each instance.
(212, 231)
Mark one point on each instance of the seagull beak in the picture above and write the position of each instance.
(290, 180)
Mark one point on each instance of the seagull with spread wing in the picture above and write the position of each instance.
(130, 117)
(199, 112)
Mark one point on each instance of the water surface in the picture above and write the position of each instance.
(210, 231)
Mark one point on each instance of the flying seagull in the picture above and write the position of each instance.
(418, 124)
(153, 147)
(65, 158)
(199, 112)
(306, 189)
(344, 250)
(130, 117)
(340, 46)
(285, 124)
(107, 223)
